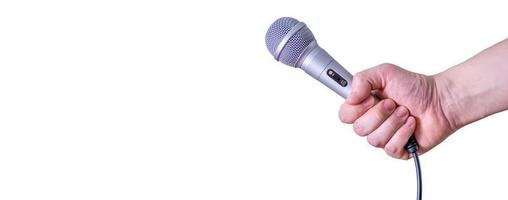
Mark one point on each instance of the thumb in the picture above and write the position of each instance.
(366, 81)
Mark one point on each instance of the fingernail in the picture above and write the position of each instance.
(389, 104)
(410, 121)
(401, 112)
(368, 102)
(352, 97)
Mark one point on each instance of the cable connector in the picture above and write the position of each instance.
(412, 145)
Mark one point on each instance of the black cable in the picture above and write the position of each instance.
(418, 176)
(412, 147)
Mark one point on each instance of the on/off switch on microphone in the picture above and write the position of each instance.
(336, 77)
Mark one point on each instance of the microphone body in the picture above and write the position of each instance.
(320, 65)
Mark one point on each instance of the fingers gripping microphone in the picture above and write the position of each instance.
(292, 43)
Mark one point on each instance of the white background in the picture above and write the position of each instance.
(181, 100)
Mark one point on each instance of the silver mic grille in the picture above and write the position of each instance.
(294, 45)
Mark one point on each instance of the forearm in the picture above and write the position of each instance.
(476, 88)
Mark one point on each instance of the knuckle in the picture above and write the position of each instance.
(393, 123)
(343, 116)
(378, 115)
(358, 78)
(375, 142)
(392, 151)
(359, 130)
(387, 66)
(358, 75)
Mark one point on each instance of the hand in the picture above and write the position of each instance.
(410, 103)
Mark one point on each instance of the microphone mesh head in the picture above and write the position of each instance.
(277, 31)
(294, 46)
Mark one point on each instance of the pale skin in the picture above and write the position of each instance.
(432, 107)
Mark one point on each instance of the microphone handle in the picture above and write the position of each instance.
(320, 65)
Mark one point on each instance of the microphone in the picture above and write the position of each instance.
(292, 43)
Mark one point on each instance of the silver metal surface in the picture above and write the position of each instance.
(284, 41)
(317, 61)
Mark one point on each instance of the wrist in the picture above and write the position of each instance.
(456, 99)
(475, 88)
(449, 100)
